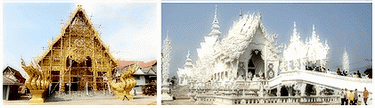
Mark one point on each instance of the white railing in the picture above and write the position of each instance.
(339, 77)
(303, 75)
(272, 100)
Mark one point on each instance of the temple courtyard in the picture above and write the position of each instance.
(138, 100)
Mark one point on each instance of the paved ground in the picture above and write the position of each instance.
(178, 102)
(188, 102)
(138, 100)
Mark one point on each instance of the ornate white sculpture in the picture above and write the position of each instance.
(345, 61)
(318, 89)
(311, 51)
(166, 62)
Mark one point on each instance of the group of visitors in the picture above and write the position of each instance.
(350, 98)
(316, 68)
(345, 73)
(357, 74)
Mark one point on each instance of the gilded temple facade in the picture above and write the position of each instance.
(77, 57)
(77, 60)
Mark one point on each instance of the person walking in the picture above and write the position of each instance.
(355, 97)
(351, 97)
(365, 96)
(342, 97)
(346, 96)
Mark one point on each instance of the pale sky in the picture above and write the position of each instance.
(130, 29)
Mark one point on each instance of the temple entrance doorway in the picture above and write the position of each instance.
(256, 64)
(80, 75)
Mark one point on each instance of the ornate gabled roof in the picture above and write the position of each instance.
(15, 73)
(240, 35)
(70, 21)
(142, 63)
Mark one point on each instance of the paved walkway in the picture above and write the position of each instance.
(178, 102)
(138, 100)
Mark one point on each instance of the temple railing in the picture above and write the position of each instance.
(319, 78)
(271, 100)
(357, 80)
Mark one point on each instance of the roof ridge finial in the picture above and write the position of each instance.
(240, 13)
(215, 10)
(215, 25)
(167, 35)
(313, 27)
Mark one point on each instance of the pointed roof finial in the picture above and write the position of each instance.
(215, 27)
(313, 33)
(215, 10)
(167, 38)
(313, 27)
(240, 13)
(215, 18)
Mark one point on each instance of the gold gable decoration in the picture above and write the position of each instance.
(76, 60)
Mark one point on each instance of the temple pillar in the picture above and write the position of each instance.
(303, 89)
(95, 73)
(290, 91)
(318, 89)
(62, 82)
(278, 93)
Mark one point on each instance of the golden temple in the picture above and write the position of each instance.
(77, 60)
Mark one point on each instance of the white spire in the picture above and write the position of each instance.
(167, 48)
(167, 38)
(345, 61)
(240, 13)
(188, 63)
(215, 25)
(313, 33)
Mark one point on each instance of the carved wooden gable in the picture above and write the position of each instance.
(78, 41)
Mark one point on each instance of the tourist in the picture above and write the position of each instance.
(359, 100)
(351, 97)
(346, 96)
(355, 97)
(355, 75)
(342, 97)
(359, 74)
(365, 96)
(338, 71)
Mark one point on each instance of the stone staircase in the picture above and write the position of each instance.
(80, 95)
(180, 92)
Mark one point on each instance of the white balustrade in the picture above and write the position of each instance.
(273, 100)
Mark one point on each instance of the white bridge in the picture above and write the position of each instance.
(257, 92)
(327, 80)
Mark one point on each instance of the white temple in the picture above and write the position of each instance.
(248, 67)
(184, 73)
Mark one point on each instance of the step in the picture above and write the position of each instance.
(80, 95)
